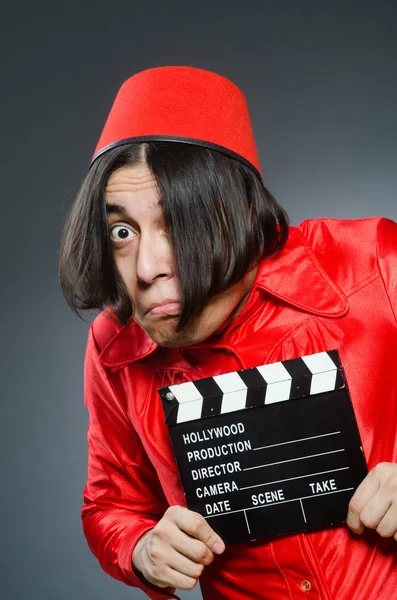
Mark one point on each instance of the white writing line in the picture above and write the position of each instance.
(300, 440)
(304, 516)
(246, 520)
(293, 459)
(229, 512)
(291, 478)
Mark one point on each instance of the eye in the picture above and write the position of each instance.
(120, 233)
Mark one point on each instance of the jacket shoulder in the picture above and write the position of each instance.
(339, 231)
(347, 249)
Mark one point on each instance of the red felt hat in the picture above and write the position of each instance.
(181, 104)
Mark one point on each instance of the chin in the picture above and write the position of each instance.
(165, 334)
(173, 339)
(169, 338)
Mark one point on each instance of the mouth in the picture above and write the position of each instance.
(168, 308)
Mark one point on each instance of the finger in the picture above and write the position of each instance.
(374, 511)
(184, 565)
(388, 525)
(188, 546)
(180, 581)
(172, 569)
(367, 488)
(193, 549)
(195, 525)
(172, 578)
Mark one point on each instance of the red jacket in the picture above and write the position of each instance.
(334, 285)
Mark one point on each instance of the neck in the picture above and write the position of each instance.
(248, 281)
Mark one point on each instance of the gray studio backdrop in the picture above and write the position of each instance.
(320, 79)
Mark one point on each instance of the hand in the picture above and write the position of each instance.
(175, 552)
(374, 503)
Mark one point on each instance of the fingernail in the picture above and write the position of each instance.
(218, 548)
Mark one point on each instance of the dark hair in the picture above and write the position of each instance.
(221, 221)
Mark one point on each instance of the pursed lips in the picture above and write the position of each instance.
(166, 308)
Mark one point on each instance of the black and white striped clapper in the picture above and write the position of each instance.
(267, 451)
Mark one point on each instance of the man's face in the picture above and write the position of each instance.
(145, 260)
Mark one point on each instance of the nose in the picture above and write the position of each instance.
(154, 259)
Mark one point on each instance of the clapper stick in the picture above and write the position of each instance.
(267, 451)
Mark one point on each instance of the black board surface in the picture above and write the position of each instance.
(276, 454)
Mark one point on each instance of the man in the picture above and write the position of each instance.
(191, 259)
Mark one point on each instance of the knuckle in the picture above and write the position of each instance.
(383, 533)
(203, 554)
(383, 469)
(161, 534)
(209, 558)
(381, 466)
(156, 549)
(368, 521)
(171, 514)
(171, 511)
(386, 528)
(155, 553)
(161, 529)
(158, 529)
(353, 507)
(196, 525)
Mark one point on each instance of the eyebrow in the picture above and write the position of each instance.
(119, 209)
(115, 209)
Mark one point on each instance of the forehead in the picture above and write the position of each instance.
(131, 178)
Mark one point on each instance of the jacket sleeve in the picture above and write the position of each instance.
(387, 259)
(123, 497)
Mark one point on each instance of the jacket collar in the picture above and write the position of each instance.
(294, 275)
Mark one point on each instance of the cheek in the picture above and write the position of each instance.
(220, 309)
(125, 266)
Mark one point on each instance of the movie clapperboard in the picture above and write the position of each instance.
(267, 451)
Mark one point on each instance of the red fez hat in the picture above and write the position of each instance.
(181, 104)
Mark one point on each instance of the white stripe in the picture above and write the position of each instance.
(230, 382)
(323, 382)
(319, 363)
(234, 401)
(278, 392)
(188, 411)
(324, 372)
(185, 392)
(274, 372)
